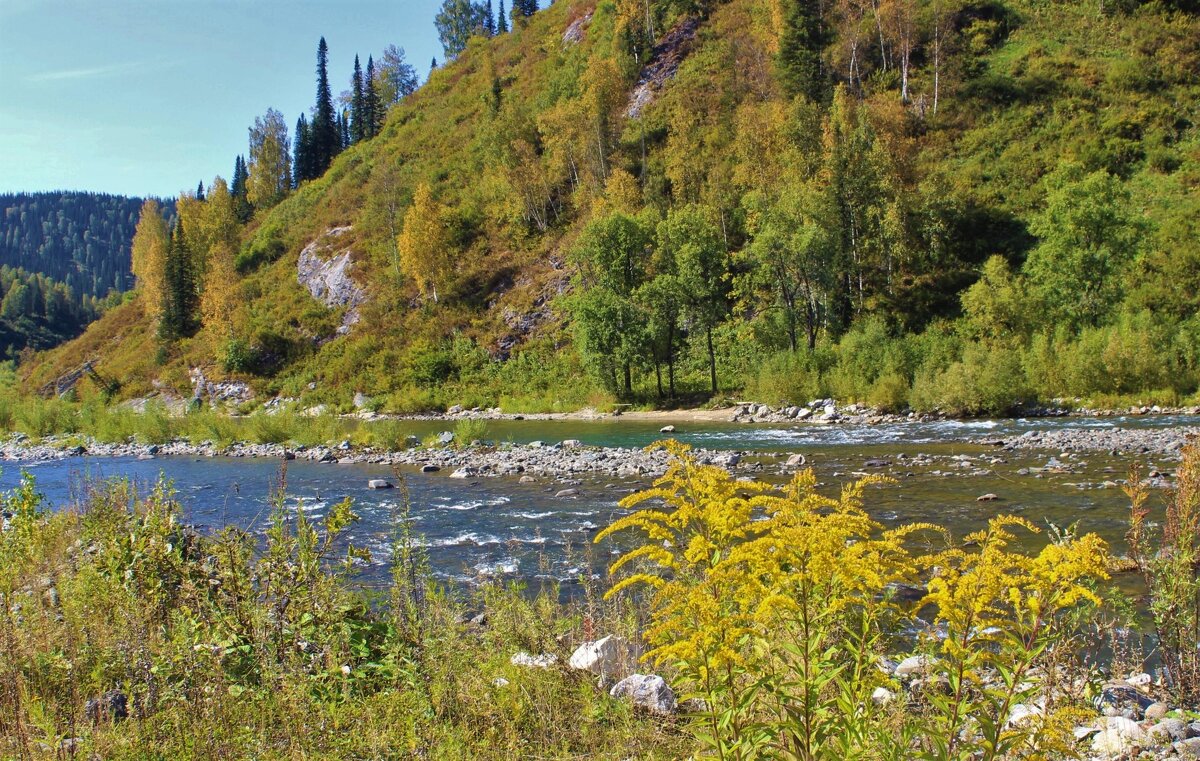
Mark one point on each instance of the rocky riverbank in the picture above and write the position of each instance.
(1116, 441)
(561, 460)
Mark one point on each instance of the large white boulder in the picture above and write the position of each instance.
(647, 691)
(610, 657)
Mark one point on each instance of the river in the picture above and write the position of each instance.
(499, 527)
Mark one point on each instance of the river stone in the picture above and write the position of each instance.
(912, 665)
(445, 438)
(611, 656)
(378, 483)
(572, 444)
(111, 706)
(987, 498)
(528, 480)
(803, 413)
(543, 661)
(882, 696)
(568, 493)
(1122, 698)
(667, 429)
(1141, 681)
(465, 472)
(1156, 711)
(430, 468)
(1117, 736)
(1188, 749)
(797, 460)
(646, 691)
(1168, 731)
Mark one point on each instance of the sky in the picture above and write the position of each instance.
(149, 97)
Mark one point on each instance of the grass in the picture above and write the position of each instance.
(224, 649)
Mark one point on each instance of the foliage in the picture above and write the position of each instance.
(1048, 137)
(224, 646)
(79, 239)
(1167, 555)
(773, 605)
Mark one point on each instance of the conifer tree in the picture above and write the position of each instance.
(237, 191)
(344, 137)
(180, 302)
(359, 116)
(200, 191)
(302, 161)
(324, 138)
(373, 112)
(502, 20)
(800, 47)
(489, 24)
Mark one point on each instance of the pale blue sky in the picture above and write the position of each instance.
(148, 97)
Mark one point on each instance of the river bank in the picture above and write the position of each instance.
(1116, 441)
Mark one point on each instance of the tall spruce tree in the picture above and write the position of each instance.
(237, 190)
(325, 139)
(501, 20)
(200, 191)
(345, 138)
(489, 24)
(302, 156)
(359, 117)
(800, 46)
(373, 108)
(181, 298)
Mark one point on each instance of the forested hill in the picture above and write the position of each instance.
(79, 239)
(963, 205)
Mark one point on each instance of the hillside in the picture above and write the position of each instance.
(79, 239)
(957, 205)
(62, 254)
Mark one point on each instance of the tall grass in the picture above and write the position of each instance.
(228, 647)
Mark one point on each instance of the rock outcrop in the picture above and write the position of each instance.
(324, 269)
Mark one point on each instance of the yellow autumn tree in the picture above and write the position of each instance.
(219, 228)
(150, 258)
(424, 243)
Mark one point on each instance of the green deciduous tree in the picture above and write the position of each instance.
(612, 256)
(457, 22)
(1088, 236)
(690, 237)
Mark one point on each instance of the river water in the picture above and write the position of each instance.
(493, 527)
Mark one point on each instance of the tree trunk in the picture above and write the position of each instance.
(658, 376)
(712, 361)
(628, 380)
(671, 359)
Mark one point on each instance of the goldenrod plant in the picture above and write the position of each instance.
(774, 608)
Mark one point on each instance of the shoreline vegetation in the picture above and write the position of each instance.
(743, 620)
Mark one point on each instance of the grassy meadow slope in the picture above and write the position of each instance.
(507, 138)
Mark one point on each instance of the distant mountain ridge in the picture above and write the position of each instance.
(81, 239)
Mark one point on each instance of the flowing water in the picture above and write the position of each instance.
(499, 527)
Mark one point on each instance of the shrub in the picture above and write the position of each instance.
(1168, 558)
(469, 430)
(773, 606)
